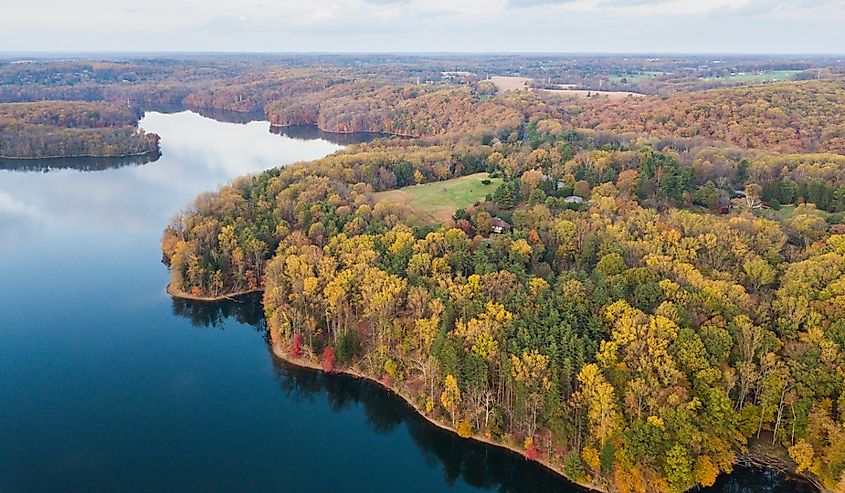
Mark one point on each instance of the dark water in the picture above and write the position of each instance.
(107, 384)
(76, 163)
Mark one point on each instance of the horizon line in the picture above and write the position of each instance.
(43, 53)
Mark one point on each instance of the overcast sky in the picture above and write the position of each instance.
(746, 26)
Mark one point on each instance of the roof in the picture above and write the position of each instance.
(498, 222)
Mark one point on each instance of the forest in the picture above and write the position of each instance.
(419, 96)
(64, 129)
(686, 312)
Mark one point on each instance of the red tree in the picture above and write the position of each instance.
(329, 359)
(531, 452)
(296, 347)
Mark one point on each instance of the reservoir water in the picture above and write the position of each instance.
(108, 384)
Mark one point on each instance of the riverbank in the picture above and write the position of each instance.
(87, 156)
(763, 454)
(279, 352)
(760, 454)
(772, 458)
(184, 295)
(348, 132)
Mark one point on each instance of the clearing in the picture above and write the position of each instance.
(584, 93)
(787, 212)
(633, 78)
(440, 199)
(504, 83)
(770, 76)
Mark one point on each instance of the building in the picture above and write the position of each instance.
(500, 226)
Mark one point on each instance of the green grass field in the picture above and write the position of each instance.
(771, 76)
(439, 200)
(634, 78)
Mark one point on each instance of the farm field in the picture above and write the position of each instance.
(504, 83)
(586, 93)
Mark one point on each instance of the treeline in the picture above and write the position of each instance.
(696, 175)
(784, 117)
(62, 129)
(632, 340)
(417, 111)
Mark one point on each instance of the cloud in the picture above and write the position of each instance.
(428, 25)
(536, 3)
(629, 3)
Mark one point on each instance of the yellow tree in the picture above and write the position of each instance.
(482, 332)
(339, 295)
(381, 294)
(451, 397)
(530, 371)
(597, 396)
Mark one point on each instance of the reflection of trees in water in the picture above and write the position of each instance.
(228, 116)
(76, 163)
(477, 464)
(311, 132)
(246, 310)
(755, 480)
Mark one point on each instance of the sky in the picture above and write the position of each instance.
(570, 26)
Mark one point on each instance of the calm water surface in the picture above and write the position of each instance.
(107, 384)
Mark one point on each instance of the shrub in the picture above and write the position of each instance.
(465, 429)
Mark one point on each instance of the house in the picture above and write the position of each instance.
(574, 199)
(499, 225)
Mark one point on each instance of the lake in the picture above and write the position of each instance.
(108, 384)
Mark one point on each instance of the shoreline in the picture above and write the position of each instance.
(752, 458)
(755, 458)
(183, 295)
(338, 132)
(75, 156)
(302, 362)
(199, 109)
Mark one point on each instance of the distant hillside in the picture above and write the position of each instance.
(782, 117)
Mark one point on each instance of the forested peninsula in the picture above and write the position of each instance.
(52, 129)
(637, 305)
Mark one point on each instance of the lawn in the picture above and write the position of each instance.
(634, 78)
(439, 200)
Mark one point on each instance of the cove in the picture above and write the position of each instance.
(107, 383)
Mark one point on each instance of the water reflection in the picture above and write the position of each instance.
(226, 116)
(246, 310)
(479, 465)
(310, 132)
(198, 154)
(756, 480)
(77, 163)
